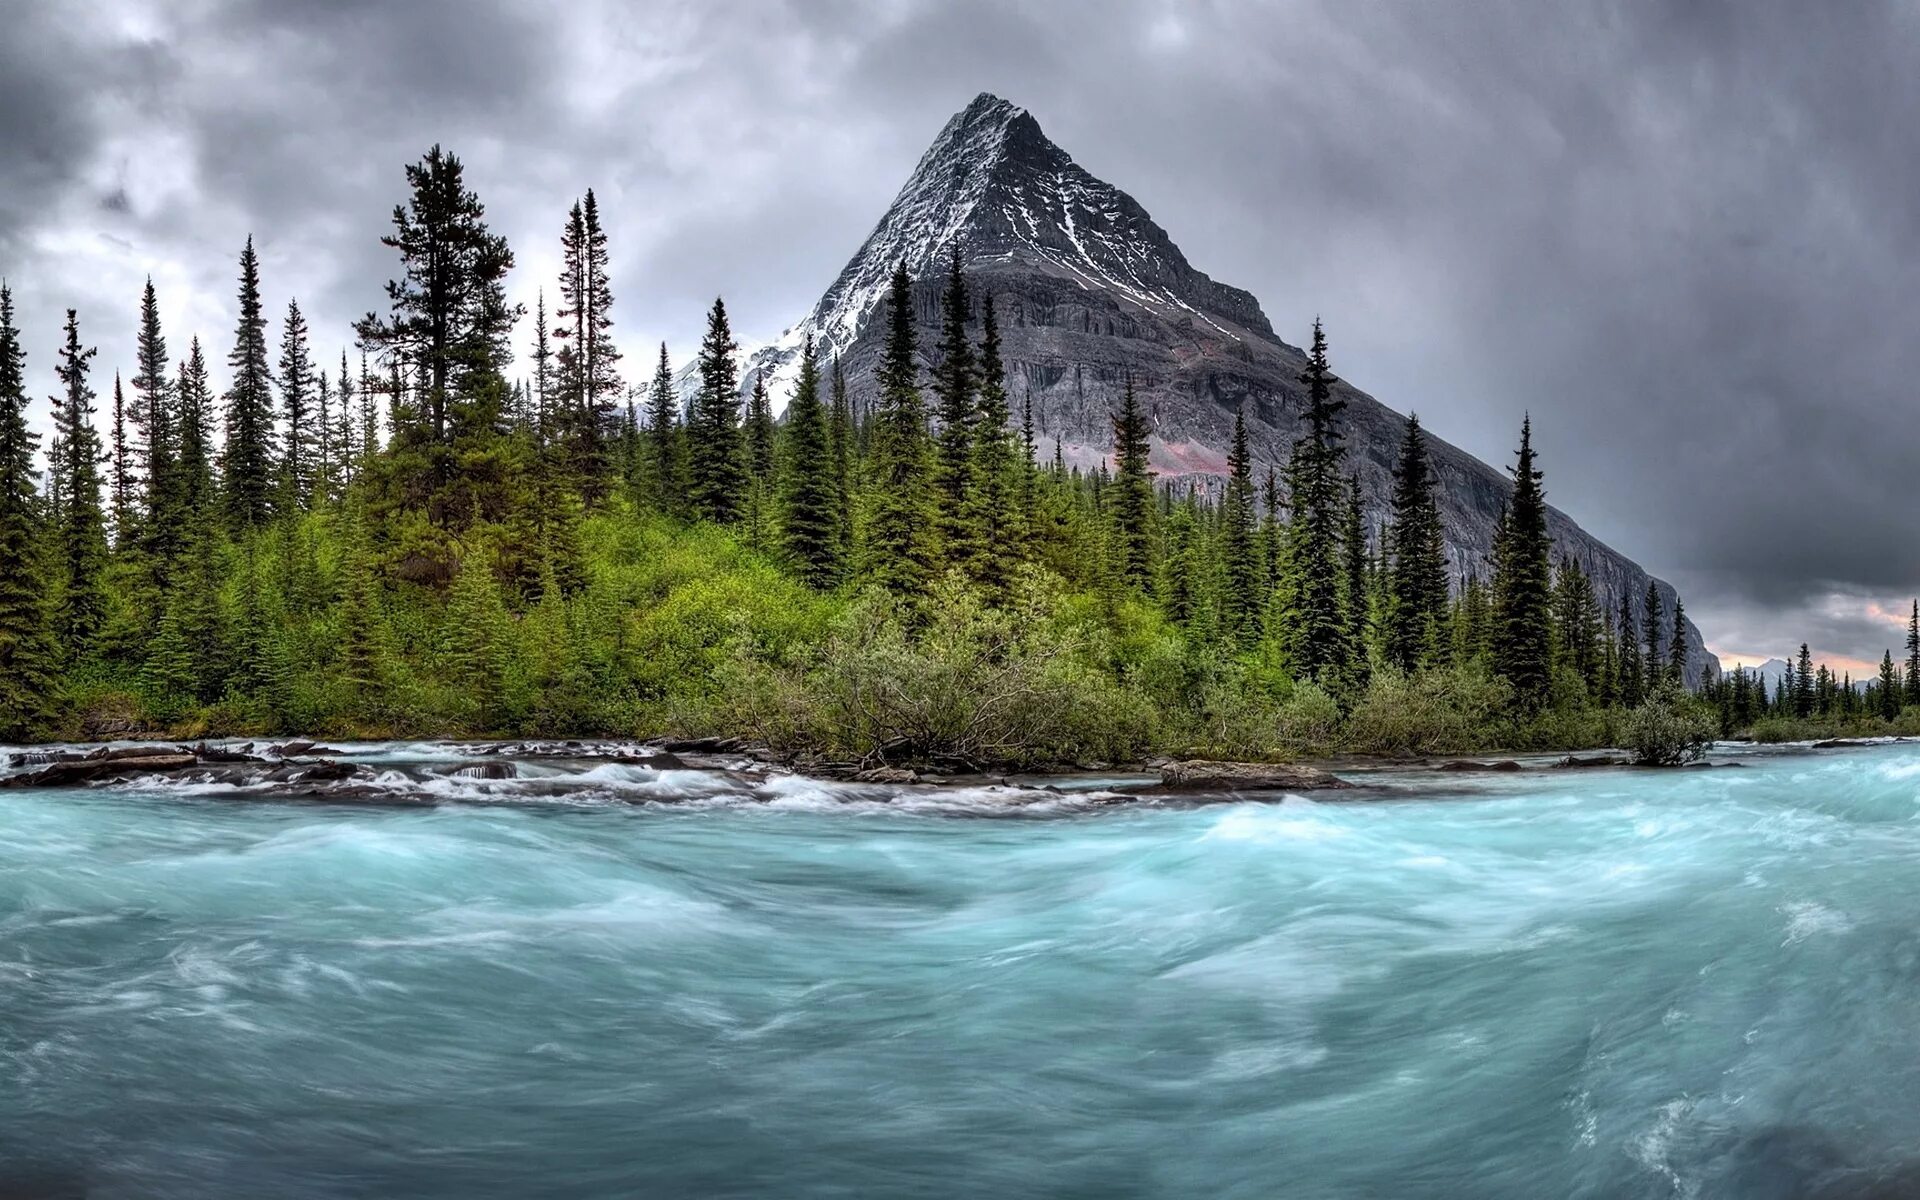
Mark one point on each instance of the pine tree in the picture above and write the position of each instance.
(716, 472)
(757, 433)
(543, 381)
(842, 450)
(1523, 638)
(954, 382)
(157, 437)
(995, 530)
(1677, 646)
(1356, 593)
(81, 535)
(664, 442)
(1320, 629)
(1652, 628)
(450, 321)
(1133, 492)
(1913, 656)
(1630, 687)
(296, 411)
(588, 375)
(1802, 672)
(1417, 579)
(900, 548)
(124, 484)
(194, 457)
(1889, 691)
(27, 657)
(247, 463)
(1242, 597)
(810, 520)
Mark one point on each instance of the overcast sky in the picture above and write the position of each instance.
(1683, 235)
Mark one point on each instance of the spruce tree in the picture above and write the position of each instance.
(448, 316)
(27, 657)
(157, 436)
(588, 373)
(194, 457)
(1356, 592)
(448, 320)
(1133, 492)
(1677, 646)
(954, 380)
(297, 462)
(1320, 629)
(121, 511)
(1242, 595)
(757, 433)
(716, 473)
(1889, 690)
(901, 547)
(80, 538)
(843, 449)
(810, 523)
(995, 531)
(1630, 687)
(1802, 673)
(247, 459)
(1417, 577)
(1913, 656)
(664, 442)
(1523, 636)
(1652, 629)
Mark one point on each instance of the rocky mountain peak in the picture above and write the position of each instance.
(1093, 296)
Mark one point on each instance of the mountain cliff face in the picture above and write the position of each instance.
(1090, 292)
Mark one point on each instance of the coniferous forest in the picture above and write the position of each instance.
(416, 533)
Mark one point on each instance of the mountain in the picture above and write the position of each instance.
(1091, 292)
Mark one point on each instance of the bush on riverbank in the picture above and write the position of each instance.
(1669, 729)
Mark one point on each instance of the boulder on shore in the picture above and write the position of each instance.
(1468, 764)
(1200, 774)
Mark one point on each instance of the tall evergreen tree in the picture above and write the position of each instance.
(27, 658)
(717, 474)
(124, 485)
(589, 377)
(1802, 672)
(299, 450)
(1133, 492)
(955, 379)
(996, 532)
(1417, 577)
(1913, 655)
(1630, 687)
(664, 442)
(842, 449)
(1652, 630)
(1523, 637)
(810, 524)
(449, 320)
(1242, 597)
(1889, 690)
(1320, 629)
(81, 534)
(901, 542)
(247, 460)
(153, 419)
(1677, 645)
(1355, 590)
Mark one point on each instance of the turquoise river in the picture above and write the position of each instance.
(598, 979)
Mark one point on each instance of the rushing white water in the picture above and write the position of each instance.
(1556, 983)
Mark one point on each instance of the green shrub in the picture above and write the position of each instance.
(1434, 711)
(1668, 730)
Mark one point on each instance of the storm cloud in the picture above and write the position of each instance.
(1682, 235)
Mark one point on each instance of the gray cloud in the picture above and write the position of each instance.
(1681, 234)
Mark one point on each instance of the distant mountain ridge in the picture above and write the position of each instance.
(1091, 292)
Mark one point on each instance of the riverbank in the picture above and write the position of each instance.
(707, 770)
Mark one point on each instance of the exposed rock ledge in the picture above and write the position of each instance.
(1199, 774)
